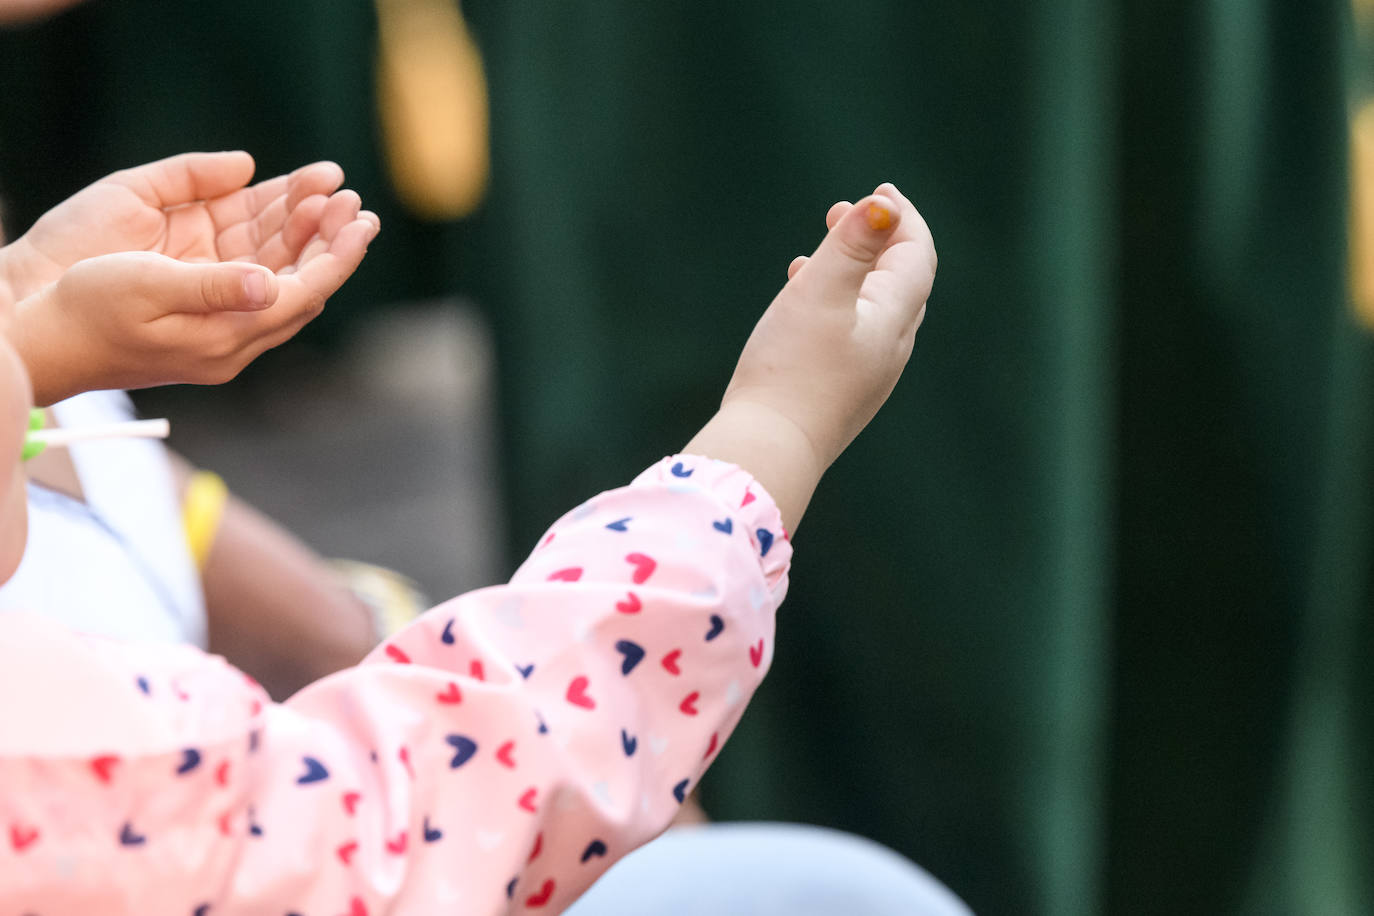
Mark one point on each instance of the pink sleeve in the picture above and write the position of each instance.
(496, 756)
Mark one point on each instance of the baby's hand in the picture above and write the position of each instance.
(828, 351)
(138, 319)
(830, 348)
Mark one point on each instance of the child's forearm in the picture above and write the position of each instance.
(770, 447)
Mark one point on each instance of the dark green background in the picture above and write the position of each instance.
(1081, 624)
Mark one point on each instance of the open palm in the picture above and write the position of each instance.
(177, 271)
(192, 207)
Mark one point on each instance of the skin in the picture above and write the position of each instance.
(820, 362)
(14, 12)
(140, 280)
(15, 401)
(274, 609)
(177, 271)
(828, 351)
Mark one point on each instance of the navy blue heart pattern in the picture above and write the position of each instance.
(717, 627)
(633, 652)
(460, 749)
(765, 541)
(463, 749)
(314, 772)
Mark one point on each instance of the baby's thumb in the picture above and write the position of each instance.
(229, 286)
(850, 250)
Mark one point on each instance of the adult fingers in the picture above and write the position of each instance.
(188, 177)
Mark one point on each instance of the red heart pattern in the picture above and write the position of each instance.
(450, 696)
(503, 754)
(577, 693)
(670, 662)
(535, 901)
(103, 767)
(22, 838)
(644, 567)
(627, 635)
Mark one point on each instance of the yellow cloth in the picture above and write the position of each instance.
(202, 509)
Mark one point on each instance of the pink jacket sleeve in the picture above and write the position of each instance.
(494, 757)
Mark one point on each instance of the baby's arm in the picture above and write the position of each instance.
(828, 351)
(505, 749)
(510, 745)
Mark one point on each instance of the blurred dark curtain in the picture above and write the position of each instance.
(1081, 623)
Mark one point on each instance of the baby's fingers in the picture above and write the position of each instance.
(836, 211)
(836, 271)
(832, 217)
(906, 270)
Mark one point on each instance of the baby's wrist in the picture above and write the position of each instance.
(770, 446)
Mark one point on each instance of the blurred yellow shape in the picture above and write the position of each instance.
(1362, 212)
(432, 95)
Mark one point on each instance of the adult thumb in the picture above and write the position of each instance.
(850, 250)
